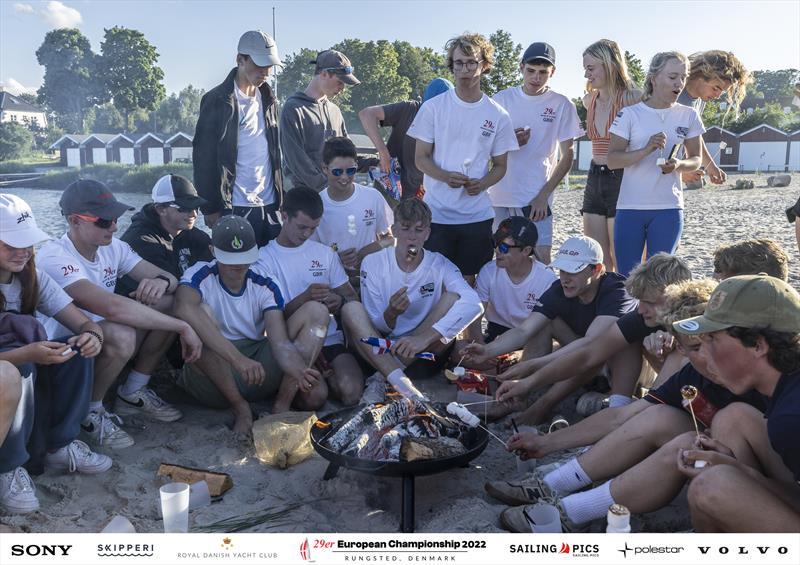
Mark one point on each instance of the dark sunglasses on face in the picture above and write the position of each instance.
(183, 209)
(349, 171)
(101, 223)
(503, 247)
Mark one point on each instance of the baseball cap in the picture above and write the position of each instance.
(747, 301)
(234, 241)
(85, 196)
(336, 62)
(436, 87)
(577, 253)
(261, 48)
(177, 189)
(539, 50)
(17, 225)
(520, 229)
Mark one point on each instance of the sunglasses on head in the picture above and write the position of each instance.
(101, 223)
(183, 209)
(504, 248)
(340, 70)
(349, 171)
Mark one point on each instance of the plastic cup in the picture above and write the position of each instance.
(199, 495)
(529, 465)
(546, 519)
(175, 507)
(119, 525)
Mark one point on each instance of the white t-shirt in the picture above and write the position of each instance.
(253, 185)
(381, 277)
(644, 187)
(462, 131)
(507, 303)
(296, 268)
(66, 265)
(552, 118)
(239, 316)
(371, 215)
(52, 299)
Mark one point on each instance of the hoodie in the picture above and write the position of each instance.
(305, 125)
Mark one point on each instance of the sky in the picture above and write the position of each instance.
(197, 39)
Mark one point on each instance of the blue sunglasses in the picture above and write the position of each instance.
(349, 171)
(504, 248)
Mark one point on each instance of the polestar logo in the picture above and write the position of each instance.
(625, 551)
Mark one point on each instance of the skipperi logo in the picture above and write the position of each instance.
(305, 551)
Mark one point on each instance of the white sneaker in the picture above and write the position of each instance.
(375, 389)
(100, 429)
(146, 401)
(17, 492)
(78, 457)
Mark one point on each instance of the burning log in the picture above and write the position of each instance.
(414, 449)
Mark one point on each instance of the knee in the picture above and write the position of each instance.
(669, 451)
(314, 312)
(315, 399)
(351, 312)
(709, 490)
(119, 340)
(10, 384)
(732, 419)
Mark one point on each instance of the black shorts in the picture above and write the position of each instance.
(602, 191)
(266, 221)
(469, 246)
(331, 352)
(493, 331)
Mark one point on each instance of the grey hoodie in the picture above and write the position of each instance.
(305, 125)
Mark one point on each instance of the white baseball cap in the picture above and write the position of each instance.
(577, 253)
(17, 225)
(178, 189)
(261, 48)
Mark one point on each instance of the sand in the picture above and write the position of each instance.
(453, 501)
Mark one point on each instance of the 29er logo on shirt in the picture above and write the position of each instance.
(549, 115)
(316, 268)
(109, 276)
(487, 129)
(369, 217)
(530, 301)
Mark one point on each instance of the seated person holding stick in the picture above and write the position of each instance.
(238, 313)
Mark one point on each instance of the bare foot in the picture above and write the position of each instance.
(499, 410)
(243, 420)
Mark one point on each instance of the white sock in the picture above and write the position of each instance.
(96, 406)
(590, 505)
(136, 381)
(567, 478)
(617, 400)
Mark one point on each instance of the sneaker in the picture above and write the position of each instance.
(374, 389)
(101, 430)
(516, 519)
(146, 401)
(528, 491)
(17, 492)
(590, 403)
(78, 457)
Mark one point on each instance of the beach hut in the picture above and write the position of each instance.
(149, 150)
(794, 151)
(120, 149)
(763, 148)
(95, 148)
(69, 148)
(179, 147)
(728, 158)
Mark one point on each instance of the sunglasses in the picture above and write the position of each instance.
(349, 171)
(183, 209)
(340, 70)
(101, 223)
(503, 247)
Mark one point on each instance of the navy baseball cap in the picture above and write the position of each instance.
(539, 51)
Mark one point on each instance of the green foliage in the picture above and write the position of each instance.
(70, 87)
(129, 70)
(505, 72)
(419, 65)
(773, 86)
(118, 177)
(635, 69)
(297, 73)
(771, 114)
(178, 112)
(105, 119)
(16, 141)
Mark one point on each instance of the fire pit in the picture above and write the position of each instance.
(475, 442)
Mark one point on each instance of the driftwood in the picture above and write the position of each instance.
(218, 483)
(416, 448)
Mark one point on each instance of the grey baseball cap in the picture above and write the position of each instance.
(86, 196)
(234, 241)
(261, 48)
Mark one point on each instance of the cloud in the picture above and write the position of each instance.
(15, 87)
(55, 14)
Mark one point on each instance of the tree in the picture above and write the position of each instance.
(296, 74)
(774, 86)
(419, 65)
(105, 119)
(70, 87)
(771, 114)
(179, 111)
(507, 56)
(15, 141)
(635, 69)
(131, 76)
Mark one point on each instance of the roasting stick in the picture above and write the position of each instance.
(505, 444)
(689, 394)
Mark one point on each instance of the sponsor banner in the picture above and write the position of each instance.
(464, 549)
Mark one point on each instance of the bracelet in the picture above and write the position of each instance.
(95, 334)
(163, 278)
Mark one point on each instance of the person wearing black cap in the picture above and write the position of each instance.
(163, 231)
(310, 117)
(86, 262)
(546, 123)
(236, 150)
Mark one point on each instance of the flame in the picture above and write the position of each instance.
(321, 424)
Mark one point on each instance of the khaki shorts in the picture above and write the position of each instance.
(204, 390)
